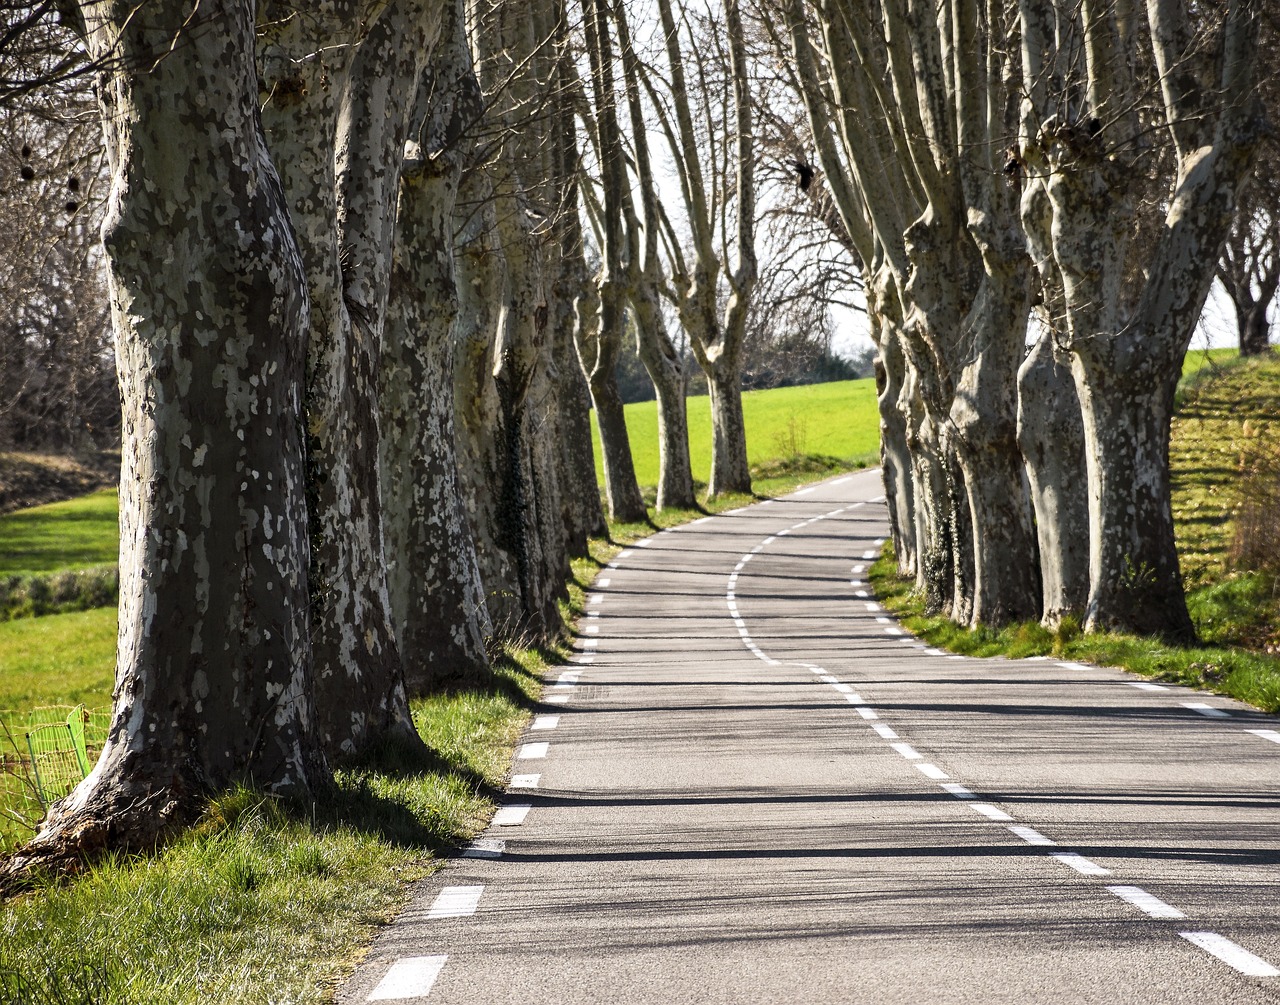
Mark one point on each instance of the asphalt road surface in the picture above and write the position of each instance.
(752, 786)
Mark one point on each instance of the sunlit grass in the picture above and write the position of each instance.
(76, 534)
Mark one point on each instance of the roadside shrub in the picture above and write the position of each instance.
(58, 593)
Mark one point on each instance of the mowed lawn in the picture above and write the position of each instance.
(76, 534)
(838, 419)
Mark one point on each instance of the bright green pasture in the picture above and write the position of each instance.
(60, 659)
(75, 534)
(837, 419)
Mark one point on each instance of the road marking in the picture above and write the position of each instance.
(645, 543)
(828, 679)
(593, 615)
(853, 698)
(955, 657)
(595, 598)
(485, 848)
(532, 751)
(858, 568)
(557, 699)
(907, 751)
(932, 771)
(1031, 835)
(817, 670)
(805, 492)
(1074, 666)
(1231, 954)
(612, 565)
(990, 812)
(703, 520)
(512, 815)
(739, 622)
(884, 621)
(768, 502)
(593, 629)
(1143, 685)
(625, 554)
(602, 583)
(769, 540)
(1266, 734)
(862, 593)
(1145, 902)
(590, 643)
(878, 541)
(893, 631)
(569, 677)
(933, 652)
(1081, 864)
(545, 722)
(746, 558)
(585, 658)
(872, 607)
(456, 902)
(410, 977)
(1209, 710)
(784, 533)
(958, 790)
(856, 582)
(884, 731)
(525, 781)
(869, 554)
(843, 688)
(867, 713)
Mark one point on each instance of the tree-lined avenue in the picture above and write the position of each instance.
(752, 787)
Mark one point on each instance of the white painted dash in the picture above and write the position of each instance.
(602, 583)
(867, 713)
(511, 815)
(1143, 685)
(1209, 710)
(804, 492)
(933, 652)
(1233, 955)
(1146, 902)
(828, 679)
(884, 731)
(853, 698)
(1081, 864)
(485, 848)
(990, 812)
(593, 629)
(958, 790)
(907, 751)
(1074, 666)
(1266, 734)
(859, 568)
(645, 543)
(843, 688)
(869, 554)
(557, 699)
(456, 902)
(893, 631)
(525, 781)
(1032, 836)
(872, 606)
(532, 751)
(862, 593)
(626, 554)
(932, 771)
(411, 977)
(884, 621)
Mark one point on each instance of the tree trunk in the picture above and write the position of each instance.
(935, 569)
(305, 64)
(213, 674)
(437, 595)
(626, 505)
(729, 470)
(895, 455)
(1051, 438)
(1255, 331)
(675, 471)
(1136, 583)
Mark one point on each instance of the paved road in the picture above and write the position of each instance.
(752, 787)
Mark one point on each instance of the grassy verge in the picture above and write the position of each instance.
(1249, 676)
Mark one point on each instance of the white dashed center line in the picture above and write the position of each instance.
(867, 713)
(1266, 734)
(411, 977)
(907, 751)
(1081, 864)
(1032, 836)
(990, 812)
(1231, 954)
(456, 902)
(1145, 902)
(1143, 685)
(884, 731)
(932, 771)
(958, 790)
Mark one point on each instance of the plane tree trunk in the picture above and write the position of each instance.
(209, 301)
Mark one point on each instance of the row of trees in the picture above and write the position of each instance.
(370, 261)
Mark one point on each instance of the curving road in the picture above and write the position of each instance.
(754, 787)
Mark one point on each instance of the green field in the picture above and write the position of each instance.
(838, 419)
(77, 534)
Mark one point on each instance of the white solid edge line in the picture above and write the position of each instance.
(456, 902)
(990, 812)
(411, 977)
(1032, 836)
(1146, 903)
(1234, 956)
(1081, 864)
(1209, 710)
(1266, 734)
(931, 771)
(907, 751)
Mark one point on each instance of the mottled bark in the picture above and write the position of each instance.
(895, 455)
(304, 65)
(213, 675)
(1051, 437)
(437, 596)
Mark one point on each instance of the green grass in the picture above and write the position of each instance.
(836, 421)
(77, 534)
(59, 659)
